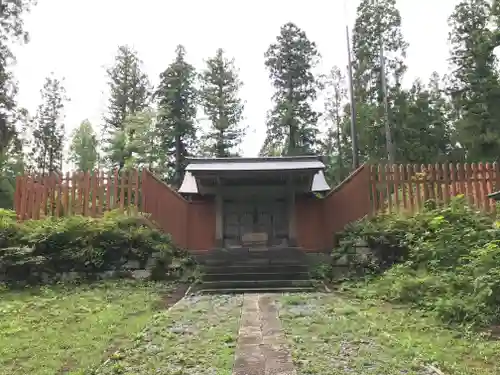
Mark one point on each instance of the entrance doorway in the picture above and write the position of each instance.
(242, 217)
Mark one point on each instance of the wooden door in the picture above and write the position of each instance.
(255, 216)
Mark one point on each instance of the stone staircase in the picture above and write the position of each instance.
(248, 270)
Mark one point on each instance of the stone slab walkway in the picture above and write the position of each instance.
(261, 348)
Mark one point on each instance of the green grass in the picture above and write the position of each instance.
(197, 337)
(332, 334)
(64, 330)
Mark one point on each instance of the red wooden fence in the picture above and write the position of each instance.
(89, 194)
(408, 187)
(93, 193)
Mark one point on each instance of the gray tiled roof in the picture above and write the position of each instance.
(255, 164)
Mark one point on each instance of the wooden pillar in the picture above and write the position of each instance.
(219, 225)
(291, 212)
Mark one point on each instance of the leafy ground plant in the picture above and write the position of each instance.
(333, 334)
(445, 260)
(197, 336)
(61, 330)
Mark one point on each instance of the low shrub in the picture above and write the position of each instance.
(42, 250)
(445, 260)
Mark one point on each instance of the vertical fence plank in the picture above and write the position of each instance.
(81, 193)
(445, 172)
(109, 185)
(57, 194)
(395, 179)
(65, 195)
(468, 183)
(27, 187)
(461, 179)
(143, 189)
(431, 182)
(409, 183)
(115, 189)
(122, 190)
(136, 191)
(418, 193)
(423, 181)
(73, 193)
(22, 198)
(402, 179)
(496, 176)
(94, 192)
(439, 182)
(475, 185)
(31, 198)
(489, 186)
(85, 192)
(100, 205)
(129, 174)
(36, 200)
(17, 195)
(453, 179)
(483, 189)
(388, 187)
(380, 188)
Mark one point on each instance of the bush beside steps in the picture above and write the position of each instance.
(443, 260)
(82, 248)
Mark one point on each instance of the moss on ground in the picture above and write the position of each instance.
(333, 334)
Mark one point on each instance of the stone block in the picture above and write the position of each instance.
(132, 265)
(141, 274)
(70, 276)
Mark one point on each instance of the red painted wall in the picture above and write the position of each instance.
(309, 223)
(192, 224)
(348, 202)
(201, 225)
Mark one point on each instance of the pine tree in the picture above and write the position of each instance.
(219, 95)
(292, 123)
(83, 147)
(48, 134)
(177, 98)
(475, 78)
(129, 94)
(378, 24)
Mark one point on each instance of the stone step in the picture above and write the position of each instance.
(255, 269)
(258, 290)
(285, 275)
(256, 261)
(249, 284)
(276, 256)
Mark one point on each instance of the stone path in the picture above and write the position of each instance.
(261, 348)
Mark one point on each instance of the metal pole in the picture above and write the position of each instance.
(354, 133)
(388, 135)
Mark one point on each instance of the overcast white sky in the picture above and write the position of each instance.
(77, 39)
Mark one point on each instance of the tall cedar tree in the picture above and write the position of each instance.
(476, 88)
(334, 144)
(129, 94)
(176, 97)
(220, 99)
(376, 22)
(11, 30)
(425, 135)
(48, 133)
(83, 147)
(292, 124)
